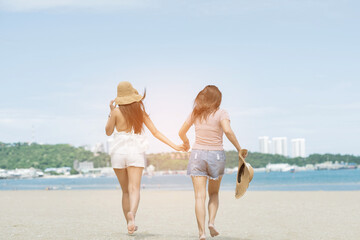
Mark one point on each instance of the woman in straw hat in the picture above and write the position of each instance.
(127, 146)
(207, 159)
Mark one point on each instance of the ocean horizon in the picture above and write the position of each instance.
(326, 180)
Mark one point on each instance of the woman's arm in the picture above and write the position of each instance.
(182, 134)
(110, 125)
(156, 133)
(225, 125)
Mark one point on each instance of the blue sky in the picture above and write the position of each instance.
(285, 68)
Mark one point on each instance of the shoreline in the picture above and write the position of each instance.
(303, 181)
(164, 173)
(32, 173)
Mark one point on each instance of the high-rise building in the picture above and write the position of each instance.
(298, 147)
(265, 144)
(280, 145)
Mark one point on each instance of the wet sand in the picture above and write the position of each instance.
(89, 214)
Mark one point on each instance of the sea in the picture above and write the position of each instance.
(325, 180)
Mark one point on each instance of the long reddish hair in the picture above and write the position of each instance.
(206, 102)
(134, 114)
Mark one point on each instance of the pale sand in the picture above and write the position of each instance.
(170, 215)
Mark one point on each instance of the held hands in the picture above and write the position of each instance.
(179, 148)
(186, 146)
(182, 147)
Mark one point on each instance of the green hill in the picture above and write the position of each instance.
(178, 161)
(23, 155)
(260, 160)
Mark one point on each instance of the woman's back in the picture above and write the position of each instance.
(209, 133)
(207, 159)
(120, 123)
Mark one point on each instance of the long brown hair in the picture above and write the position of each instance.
(134, 114)
(206, 102)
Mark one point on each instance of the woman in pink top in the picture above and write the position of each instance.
(207, 159)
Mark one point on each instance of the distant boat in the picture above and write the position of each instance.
(3, 174)
(352, 166)
(279, 167)
(335, 166)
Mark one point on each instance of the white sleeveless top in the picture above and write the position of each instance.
(127, 143)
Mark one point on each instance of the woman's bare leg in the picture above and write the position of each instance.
(200, 197)
(213, 189)
(134, 178)
(122, 177)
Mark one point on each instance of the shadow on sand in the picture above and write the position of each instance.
(151, 236)
(232, 238)
(138, 236)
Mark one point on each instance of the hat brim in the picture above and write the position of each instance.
(243, 178)
(128, 99)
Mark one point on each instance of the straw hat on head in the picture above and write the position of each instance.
(244, 176)
(126, 94)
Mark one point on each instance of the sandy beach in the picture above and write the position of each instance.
(170, 215)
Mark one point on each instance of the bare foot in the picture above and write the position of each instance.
(212, 230)
(202, 237)
(131, 223)
(136, 227)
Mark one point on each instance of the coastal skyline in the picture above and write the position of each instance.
(279, 145)
(285, 68)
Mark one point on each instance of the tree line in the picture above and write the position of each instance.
(24, 155)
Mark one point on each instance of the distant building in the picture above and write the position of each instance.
(99, 147)
(86, 165)
(61, 170)
(279, 167)
(87, 147)
(280, 145)
(79, 166)
(179, 155)
(265, 144)
(150, 169)
(76, 165)
(298, 147)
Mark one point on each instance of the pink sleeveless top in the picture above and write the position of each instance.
(208, 133)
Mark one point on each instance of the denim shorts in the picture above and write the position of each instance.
(206, 163)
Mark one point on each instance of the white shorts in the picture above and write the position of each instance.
(119, 160)
(127, 150)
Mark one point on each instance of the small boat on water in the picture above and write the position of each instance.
(280, 167)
